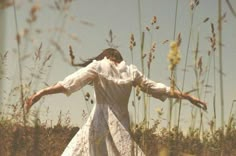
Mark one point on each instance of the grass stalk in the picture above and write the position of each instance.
(134, 91)
(171, 103)
(2, 38)
(231, 109)
(185, 65)
(176, 11)
(174, 34)
(220, 61)
(211, 55)
(231, 8)
(196, 67)
(36, 141)
(142, 67)
(214, 96)
(142, 37)
(19, 64)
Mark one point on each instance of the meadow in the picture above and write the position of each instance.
(39, 140)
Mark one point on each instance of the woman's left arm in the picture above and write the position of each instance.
(161, 91)
(179, 95)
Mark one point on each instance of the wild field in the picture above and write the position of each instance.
(37, 42)
(38, 140)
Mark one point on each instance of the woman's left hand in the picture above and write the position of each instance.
(197, 101)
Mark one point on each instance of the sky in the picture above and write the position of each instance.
(86, 25)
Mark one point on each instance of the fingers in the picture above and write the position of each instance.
(30, 101)
(28, 104)
(199, 103)
(203, 105)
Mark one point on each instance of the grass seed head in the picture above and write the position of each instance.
(194, 4)
(174, 55)
(147, 28)
(157, 27)
(154, 20)
(132, 42)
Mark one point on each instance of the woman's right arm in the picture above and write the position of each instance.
(70, 84)
(57, 88)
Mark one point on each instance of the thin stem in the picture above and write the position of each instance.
(212, 55)
(220, 62)
(208, 75)
(2, 38)
(170, 106)
(142, 51)
(141, 57)
(197, 75)
(134, 92)
(231, 109)
(176, 11)
(19, 64)
(142, 62)
(141, 33)
(149, 73)
(231, 8)
(185, 65)
(140, 18)
(214, 97)
(174, 34)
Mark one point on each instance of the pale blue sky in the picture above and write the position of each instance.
(122, 17)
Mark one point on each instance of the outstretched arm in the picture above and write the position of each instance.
(57, 88)
(70, 84)
(161, 91)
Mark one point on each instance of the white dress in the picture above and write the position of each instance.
(107, 130)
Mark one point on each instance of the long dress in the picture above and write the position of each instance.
(107, 130)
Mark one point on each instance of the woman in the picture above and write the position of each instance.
(107, 130)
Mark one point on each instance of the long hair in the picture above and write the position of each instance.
(109, 53)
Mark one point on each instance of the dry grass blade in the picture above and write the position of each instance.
(206, 19)
(72, 56)
(191, 91)
(38, 53)
(231, 8)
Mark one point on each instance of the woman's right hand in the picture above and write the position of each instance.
(32, 100)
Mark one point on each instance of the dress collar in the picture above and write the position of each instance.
(118, 65)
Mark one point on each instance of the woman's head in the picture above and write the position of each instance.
(110, 53)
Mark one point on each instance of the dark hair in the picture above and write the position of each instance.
(110, 53)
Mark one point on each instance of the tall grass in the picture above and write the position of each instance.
(131, 47)
(36, 141)
(45, 141)
(2, 41)
(186, 58)
(212, 55)
(19, 63)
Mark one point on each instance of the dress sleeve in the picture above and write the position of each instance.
(79, 78)
(156, 90)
